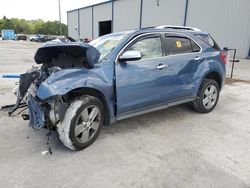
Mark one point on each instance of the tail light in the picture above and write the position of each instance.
(223, 57)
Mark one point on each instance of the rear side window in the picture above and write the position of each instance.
(180, 45)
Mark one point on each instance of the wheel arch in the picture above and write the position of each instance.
(214, 75)
(73, 94)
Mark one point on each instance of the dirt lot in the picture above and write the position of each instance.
(176, 147)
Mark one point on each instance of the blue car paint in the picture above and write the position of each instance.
(36, 114)
(145, 88)
(211, 63)
(67, 80)
(132, 86)
(99, 78)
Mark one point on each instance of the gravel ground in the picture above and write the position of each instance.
(176, 147)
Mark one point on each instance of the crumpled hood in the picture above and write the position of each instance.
(52, 50)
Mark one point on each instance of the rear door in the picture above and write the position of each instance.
(182, 60)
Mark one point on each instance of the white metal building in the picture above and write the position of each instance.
(228, 21)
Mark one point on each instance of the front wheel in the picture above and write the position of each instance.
(207, 96)
(82, 123)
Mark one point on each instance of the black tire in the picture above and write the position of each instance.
(67, 129)
(198, 104)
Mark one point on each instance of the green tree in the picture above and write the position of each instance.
(33, 26)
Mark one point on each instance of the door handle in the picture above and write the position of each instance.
(197, 58)
(161, 66)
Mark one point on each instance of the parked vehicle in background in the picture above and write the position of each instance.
(8, 34)
(87, 40)
(21, 37)
(35, 37)
(42, 38)
(48, 38)
(80, 87)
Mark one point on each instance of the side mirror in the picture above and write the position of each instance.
(130, 56)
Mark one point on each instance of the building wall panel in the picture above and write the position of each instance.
(167, 12)
(126, 15)
(73, 24)
(86, 23)
(227, 21)
(102, 12)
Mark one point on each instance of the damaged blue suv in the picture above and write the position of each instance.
(80, 87)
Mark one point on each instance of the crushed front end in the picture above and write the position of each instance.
(41, 113)
(42, 89)
(36, 113)
(45, 113)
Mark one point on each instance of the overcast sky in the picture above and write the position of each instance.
(43, 9)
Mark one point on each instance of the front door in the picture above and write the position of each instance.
(139, 83)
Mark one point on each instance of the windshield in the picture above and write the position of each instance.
(106, 43)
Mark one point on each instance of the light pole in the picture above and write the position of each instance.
(60, 19)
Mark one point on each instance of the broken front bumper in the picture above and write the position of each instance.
(36, 114)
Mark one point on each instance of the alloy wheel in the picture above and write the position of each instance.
(210, 96)
(87, 124)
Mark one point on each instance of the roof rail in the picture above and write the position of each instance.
(150, 27)
(177, 27)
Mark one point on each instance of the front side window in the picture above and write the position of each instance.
(180, 45)
(150, 47)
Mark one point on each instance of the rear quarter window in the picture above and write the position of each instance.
(208, 40)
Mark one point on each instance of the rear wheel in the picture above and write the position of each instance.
(207, 97)
(82, 123)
